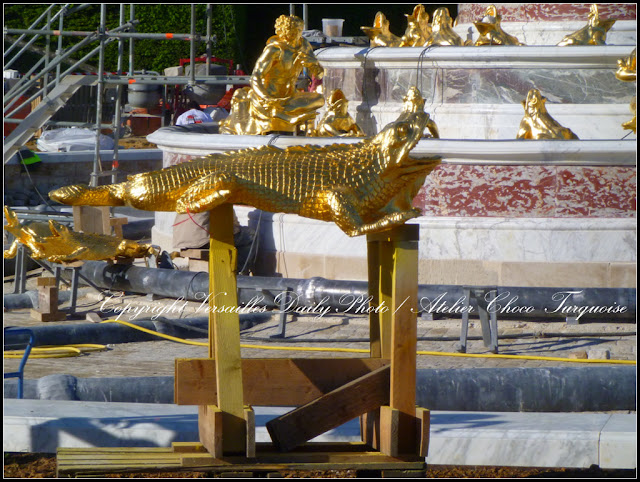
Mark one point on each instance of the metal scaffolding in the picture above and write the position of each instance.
(47, 80)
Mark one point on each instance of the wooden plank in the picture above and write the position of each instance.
(250, 421)
(373, 267)
(389, 430)
(224, 328)
(331, 410)
(404, 304)
(423, 428)
(92, 219)
(272, 381)
(210, 429)
(192, 456)
(370, 428)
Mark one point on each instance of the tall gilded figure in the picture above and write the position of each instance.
(275, 102)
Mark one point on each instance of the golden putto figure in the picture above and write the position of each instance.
(490, 30)
(59, 244)
(380, 35)
(442, 29)
(336, 121)
(418, 29)
(275, 103)
(364, 187)
(413, 103)
(239, 120)
(537, 123)
(627, 73)
(594, 33)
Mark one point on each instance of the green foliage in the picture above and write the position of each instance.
(155, 55)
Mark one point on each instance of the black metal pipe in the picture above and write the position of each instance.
(351, 296)
(553, 389)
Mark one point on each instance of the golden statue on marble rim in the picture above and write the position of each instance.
(413, 103)
(336, 121)
(537, 123)
(418, 29)
(442, 30)
(363, 187)
(627, 73)
(57, 243)
(275, 104)
(490, 30)
(594, 33)
(239, 120)
(380, 35)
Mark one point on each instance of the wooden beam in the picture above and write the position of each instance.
(271, 381)
(224, 328)
(331, 410)
(92, 219)
(250, 421)
(423, 427)
(210, 426)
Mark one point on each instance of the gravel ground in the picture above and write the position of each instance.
(44, 466)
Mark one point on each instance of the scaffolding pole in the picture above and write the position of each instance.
(124, 31)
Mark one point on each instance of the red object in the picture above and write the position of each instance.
(21, 114)
(213, 59)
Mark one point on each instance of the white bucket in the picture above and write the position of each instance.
(332, 27)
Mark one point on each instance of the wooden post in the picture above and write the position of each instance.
(224, 336)
(47, 309)
(393, 283)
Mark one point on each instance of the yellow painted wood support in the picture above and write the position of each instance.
(393, 288)
(224, 331)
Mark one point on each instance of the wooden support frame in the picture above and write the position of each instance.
(224, 342)
(327, 392)
(392, 258)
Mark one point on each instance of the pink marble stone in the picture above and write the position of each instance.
(173, 158)
(529, 191)
(530, 12)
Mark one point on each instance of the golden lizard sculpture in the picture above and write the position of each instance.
(58, 244)
(537, 123)
(363, 187)
(594, 33)
(491, 32)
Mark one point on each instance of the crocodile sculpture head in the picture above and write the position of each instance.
(363, 187)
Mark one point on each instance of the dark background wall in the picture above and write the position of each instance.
(255, 23)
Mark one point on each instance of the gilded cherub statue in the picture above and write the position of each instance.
(59, 244)
(442, 29)
(380, 35)
(594, 33)
(336, 121)
(363, 187)
(627, 73)
(490, 30)
(537, 123)
(418, 29)
(275, 103)
(413, 103)
(239, 121)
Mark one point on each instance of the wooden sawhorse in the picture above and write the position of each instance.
(327, 392)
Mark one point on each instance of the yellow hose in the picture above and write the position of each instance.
(55, 351)
(361, 350)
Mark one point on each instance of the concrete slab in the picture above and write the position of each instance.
(522, 439)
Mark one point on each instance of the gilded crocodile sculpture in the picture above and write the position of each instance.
(363, 187)
(57, 243)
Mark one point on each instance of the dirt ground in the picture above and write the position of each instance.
(44, 466)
